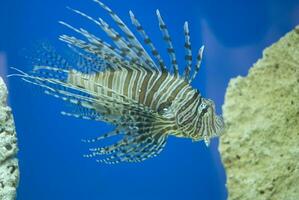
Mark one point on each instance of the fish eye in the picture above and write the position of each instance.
(202, 106)
(198, 92)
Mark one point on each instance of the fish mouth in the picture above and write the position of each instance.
(219, 123)
(213, 127)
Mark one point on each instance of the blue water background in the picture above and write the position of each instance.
(51, 163)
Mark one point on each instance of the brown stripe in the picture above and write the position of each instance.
(163, 131)
(189, 120)
(155, 88)
(127, 81)
(134, 89)
(70, 78)
(167, 88)
(187, 46)
(195, 114)
(188, 57)
(163, 26)
(189, 101)
(176, 91)
(96, 81)
(110, 82)
(144, 85)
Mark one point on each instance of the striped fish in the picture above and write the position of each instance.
(121, 84)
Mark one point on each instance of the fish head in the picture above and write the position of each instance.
(209, 124)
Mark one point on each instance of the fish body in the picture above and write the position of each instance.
(121, 84)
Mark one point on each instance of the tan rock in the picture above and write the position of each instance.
(260, 147)
(9, 170)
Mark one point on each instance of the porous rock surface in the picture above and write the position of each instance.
(260, 147)
(9, 170)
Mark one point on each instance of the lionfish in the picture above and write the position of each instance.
(122, 85)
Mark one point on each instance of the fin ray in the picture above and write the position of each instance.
(137, 47)
(188, 54)
(198, 63)
(167, 39)
(147, 41)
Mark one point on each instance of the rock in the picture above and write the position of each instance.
(260, 147)
(9, 170)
